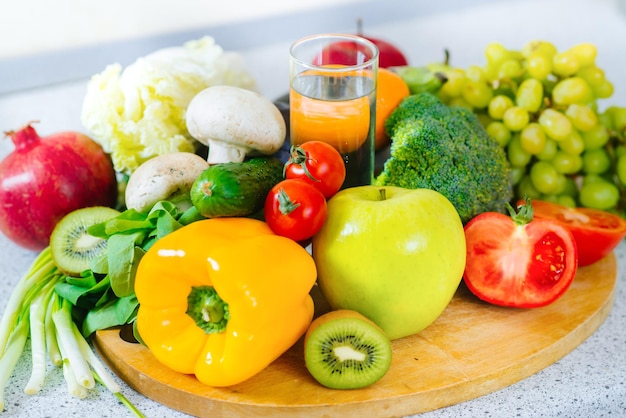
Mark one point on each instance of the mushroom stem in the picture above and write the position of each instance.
(223, 152)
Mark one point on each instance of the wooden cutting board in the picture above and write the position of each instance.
(472, 349)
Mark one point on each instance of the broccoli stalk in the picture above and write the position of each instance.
(445, 148)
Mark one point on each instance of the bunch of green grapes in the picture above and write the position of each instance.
(541, 105)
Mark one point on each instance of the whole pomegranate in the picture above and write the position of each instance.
(45, 178)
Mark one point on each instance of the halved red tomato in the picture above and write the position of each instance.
(518, 261)
(596, 232)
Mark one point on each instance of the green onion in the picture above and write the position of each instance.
(36, 310)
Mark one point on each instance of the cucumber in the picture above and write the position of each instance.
(235, 189)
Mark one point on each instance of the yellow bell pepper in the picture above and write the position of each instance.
(222, 298)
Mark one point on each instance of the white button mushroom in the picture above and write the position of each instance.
(166, 177)
(234, 122)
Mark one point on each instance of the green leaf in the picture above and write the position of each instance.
(163, 206)
(100, 264)
(166, 225)
(83, 296)
(87, 280)
(98, 230)
(117, 312)
(124, 256)
(123, 226)
(190, 215)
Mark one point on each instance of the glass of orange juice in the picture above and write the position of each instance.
(332, 98)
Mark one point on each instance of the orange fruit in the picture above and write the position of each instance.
(390, 91)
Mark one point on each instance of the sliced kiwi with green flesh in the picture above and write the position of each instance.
(345, 350)
(71, 246)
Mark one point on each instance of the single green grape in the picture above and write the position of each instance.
(618, 117)
(596, 161)
(516, 118)
(582, 116)
(530, 95)
(544, 177)
(477, 93)
(565, 64)
(593, 75)
(475, 73)
(510, 68)
(498, 105)
(601, 195)
(555, 124)
(572, 90)
(454, 85)
(573, 144)
(515, 153)
(568, 201)
(532, 138)
(596, 137)
(566, 163)
(549, 151)
(539, 66)
(603, 90)
(585, 53)
(517, 173)
(496, 53)
(525, 188)
(539, 46)
(499, 132)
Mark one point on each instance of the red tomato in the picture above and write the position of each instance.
(518, 262)
(295, 209)
(319, 164)
(596, 232)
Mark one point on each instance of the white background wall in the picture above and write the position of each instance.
(33, 26)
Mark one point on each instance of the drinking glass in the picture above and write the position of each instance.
(332, 98)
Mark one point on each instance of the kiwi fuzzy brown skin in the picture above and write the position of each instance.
(354, 334)
(71, 247)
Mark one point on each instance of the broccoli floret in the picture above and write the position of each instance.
(445, 148)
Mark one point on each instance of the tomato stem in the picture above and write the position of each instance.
(524, 213)
(298, 156)
(285, 204)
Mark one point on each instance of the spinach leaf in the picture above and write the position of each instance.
(105, 295)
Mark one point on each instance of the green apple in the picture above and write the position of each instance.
(395, 255)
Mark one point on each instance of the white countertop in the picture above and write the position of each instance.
(588, 382)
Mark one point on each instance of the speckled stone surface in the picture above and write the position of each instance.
(588, 382)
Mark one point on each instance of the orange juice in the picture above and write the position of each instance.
(338, 109)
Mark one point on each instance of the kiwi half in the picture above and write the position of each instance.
(71, 247)
(345, 350)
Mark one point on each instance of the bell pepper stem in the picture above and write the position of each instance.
(207, 309)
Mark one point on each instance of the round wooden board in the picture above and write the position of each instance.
(472, 349)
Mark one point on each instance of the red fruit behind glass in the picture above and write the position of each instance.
(45, 178)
